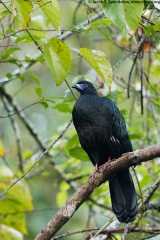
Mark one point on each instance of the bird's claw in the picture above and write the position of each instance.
(103, 167)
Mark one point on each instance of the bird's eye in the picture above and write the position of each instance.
(85, 85)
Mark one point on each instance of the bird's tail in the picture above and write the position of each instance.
(123, 196)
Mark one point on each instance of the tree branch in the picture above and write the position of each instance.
(110, 231)
(66, 212)
(130, 229)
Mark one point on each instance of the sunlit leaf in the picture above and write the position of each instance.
(21, 12)
(52, 11)
(57, 56)
(98, 61)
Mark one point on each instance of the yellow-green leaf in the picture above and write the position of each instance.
(58, 59)
(10, 208)
(21, 10)
(52, 11)
(99, 62)
(126, 15)
(17, 200)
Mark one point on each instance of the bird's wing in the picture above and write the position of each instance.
(118, 141)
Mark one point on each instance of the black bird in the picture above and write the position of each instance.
(103, 135)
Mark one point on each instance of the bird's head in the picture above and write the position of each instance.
(85, 87)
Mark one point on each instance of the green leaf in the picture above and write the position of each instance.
(19, 193)
(125, 15)
(15, 61)
(79, 153)
(57, 56)
(4, 13)
(52, 11)
(27, 154)
(64, 107)
(10, 30)
(8, 209)
(39, 91)
(72, 142)
(99, 24)
(17, 200)
(64, 186)
(98, 61)
(8, 52)
(21, 10)
(8, 75)
(35, 78)
(151, 31)
(22, 78)
(44, 104)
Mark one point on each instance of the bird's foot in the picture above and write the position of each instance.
(105, 164)
(96, 169)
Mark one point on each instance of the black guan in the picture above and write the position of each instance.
(103, 135)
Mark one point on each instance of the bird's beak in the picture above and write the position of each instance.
(74, 86)
(78, 86)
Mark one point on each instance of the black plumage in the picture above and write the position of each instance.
(103, 135)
